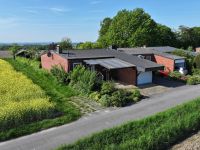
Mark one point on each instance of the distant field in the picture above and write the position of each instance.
(21, 101)
(5, 54)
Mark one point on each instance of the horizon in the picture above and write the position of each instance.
(34, 21)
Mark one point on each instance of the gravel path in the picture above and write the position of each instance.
(192, 143)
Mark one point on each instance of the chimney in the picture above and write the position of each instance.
(58, 49)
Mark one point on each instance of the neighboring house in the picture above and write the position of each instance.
(5, 54)
(159, 56)
(111, 64)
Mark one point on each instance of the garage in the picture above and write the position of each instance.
(145, 78)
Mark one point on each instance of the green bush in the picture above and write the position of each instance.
(60, 74)
(95, 96)
(157, 132)
(196, 72)
(175, 75)
(106, 100)
(83, 80)
(135, 95)
(197, 62)
(107, 88)
(193, 80)
(118, 97)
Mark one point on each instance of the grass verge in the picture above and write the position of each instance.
(153, 133)
(58, 93)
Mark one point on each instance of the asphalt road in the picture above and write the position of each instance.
(52, 138)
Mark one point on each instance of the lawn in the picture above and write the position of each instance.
(35, 92)
(153, 133)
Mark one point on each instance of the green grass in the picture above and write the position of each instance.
(59, 94)
(157, 132)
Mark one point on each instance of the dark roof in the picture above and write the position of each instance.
(144, 51)
(141, 64)
(86, 54)
(170, 56)
(164, 49)
(109, 63)
(136, 51)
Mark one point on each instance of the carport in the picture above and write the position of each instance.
(114, 69)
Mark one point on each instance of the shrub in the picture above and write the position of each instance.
(107, 88)
(193, 80)
(119, 98)
(60, 74)
(175, 75)
(197, 62)
(83, 80)
(196, 72)
(135, 95)
(95, 96)
(106, 100)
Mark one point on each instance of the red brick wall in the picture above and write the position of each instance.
(127, 75)
(168, 63)
(55, 59)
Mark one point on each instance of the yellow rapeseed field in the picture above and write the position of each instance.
(21, 101)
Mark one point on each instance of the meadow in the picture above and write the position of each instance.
(21, 101)
(157, 132)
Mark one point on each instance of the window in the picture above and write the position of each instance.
(148, 57)
(179, 65)
(76, 64)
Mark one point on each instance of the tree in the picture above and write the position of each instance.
(14, 49)
(89, 45)
(165, 36)
(66, 43)
(129, 29)
(103, 32)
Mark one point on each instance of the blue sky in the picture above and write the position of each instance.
(51, 20)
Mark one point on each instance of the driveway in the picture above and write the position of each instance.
(52, 138)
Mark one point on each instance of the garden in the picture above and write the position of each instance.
(193, 67)
(90, 85)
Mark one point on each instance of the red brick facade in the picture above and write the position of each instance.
(168, 63)
(127, 75)
(54, 59)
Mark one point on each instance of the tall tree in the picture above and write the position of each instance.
(14, 49)
(165, 36)
(66, 43)
(103, 32)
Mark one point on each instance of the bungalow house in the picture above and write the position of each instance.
(111, 64)
(160, 56)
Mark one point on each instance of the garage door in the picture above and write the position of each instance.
(144, 78)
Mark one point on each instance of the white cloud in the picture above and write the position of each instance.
(95, 2)
(59, 10)
(37, 10)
